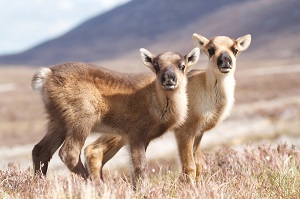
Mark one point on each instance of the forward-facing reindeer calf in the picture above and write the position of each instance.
(80, 98)
(211, 96)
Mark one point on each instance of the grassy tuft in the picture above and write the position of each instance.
(251, 172)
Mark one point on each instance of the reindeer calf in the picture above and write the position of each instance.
(211, 96)
(81, 98)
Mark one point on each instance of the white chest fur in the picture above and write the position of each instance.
(228, 87)
(215, 105)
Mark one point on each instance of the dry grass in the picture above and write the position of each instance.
(249, 172)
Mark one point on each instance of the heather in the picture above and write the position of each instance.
(250, 171)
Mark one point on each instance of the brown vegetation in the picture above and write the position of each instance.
(261, 171)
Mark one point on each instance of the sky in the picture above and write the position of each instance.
(26, 23)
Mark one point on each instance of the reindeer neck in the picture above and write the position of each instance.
(170, 104)
(223, 83)
(221, 88)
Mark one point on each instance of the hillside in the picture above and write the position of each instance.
(168, 25)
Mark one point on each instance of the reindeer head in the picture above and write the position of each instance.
(170, 68)
(222, 51)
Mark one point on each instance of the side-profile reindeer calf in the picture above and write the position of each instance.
(80, 98)
(211, 96)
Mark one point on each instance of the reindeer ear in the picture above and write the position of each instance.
(243, 42)
(192, 57)
(147, 58)
(200, 41)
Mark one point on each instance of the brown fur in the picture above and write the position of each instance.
(210, 95)
(81, 98)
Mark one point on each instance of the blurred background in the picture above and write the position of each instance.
(39, 33)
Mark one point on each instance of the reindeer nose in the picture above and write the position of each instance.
(169, 77)
(224, 58)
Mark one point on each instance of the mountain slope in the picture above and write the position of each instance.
(168, 25)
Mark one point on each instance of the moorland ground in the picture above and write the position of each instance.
(267, 109)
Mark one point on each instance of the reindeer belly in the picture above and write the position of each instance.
(210, 118)
(157, 131)
(209, 115)
(102, 128)
(128, 123)
(207, 121)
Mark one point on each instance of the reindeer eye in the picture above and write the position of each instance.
(182, 67)
(211, 51)
(156, 67)
(235, 51)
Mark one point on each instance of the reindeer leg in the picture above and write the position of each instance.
(185, 148)
(198, 157)
(100, 152)
(138, 158)
(43, 151)
(71, 149)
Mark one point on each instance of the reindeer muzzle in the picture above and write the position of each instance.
(169, 80)
(224, 62)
